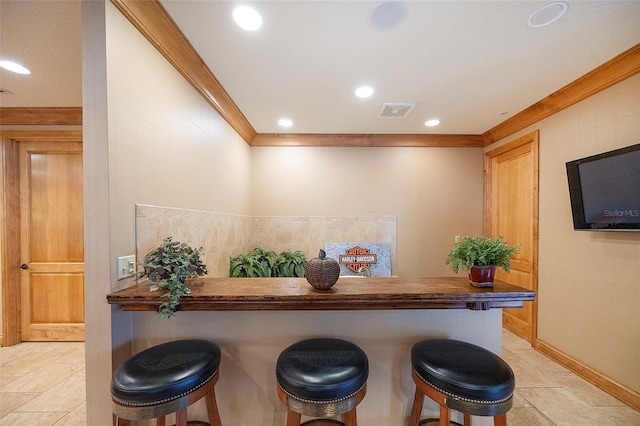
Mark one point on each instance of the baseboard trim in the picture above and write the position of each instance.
(607, 384)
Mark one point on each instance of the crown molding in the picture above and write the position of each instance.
(54, 116)
(606, 75)
(366, 140)
(155, 24)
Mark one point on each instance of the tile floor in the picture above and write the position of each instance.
(43, 384)
(549, 394)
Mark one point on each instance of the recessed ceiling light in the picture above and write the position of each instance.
(388, 15)
(14, 67)
(247, 18)
(547, 15)
(285, 122)
(364, 91)
(432, 122)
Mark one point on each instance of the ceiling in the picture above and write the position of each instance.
(45, 37)
(471, 64)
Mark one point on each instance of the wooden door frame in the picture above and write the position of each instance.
(530, 138)
(10, 221)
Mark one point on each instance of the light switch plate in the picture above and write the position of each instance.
(126, 266)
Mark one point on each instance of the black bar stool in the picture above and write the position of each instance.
(322, 377)
(166, 379)
(463, 377)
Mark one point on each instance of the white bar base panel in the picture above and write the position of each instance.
(252, 340)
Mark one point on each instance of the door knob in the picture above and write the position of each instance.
(24, 266)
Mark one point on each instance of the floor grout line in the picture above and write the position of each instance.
(535, 405)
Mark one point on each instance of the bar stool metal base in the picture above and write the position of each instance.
(424, 389)
(346, 408)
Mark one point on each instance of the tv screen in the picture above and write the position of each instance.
(605, 190)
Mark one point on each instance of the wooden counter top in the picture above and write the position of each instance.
(281, 294)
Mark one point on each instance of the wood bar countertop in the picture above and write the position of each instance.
(282, 294)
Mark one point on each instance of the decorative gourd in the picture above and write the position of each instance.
(322, 272)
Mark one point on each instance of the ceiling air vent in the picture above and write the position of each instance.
(396, 109)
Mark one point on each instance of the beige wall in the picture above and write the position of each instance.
(435, 193)
(148, 138)
(166, 145)
(589, 282)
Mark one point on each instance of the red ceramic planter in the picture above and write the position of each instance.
(482, 276)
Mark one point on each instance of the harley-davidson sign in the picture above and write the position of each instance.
(357, 259)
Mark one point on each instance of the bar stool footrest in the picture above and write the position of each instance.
(321, 422)
(435, 421)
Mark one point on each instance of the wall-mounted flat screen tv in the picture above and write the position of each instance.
(605, 190)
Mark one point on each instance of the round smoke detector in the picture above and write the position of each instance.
(388, 15)
(547, 14)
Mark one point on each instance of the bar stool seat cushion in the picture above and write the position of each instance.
(463, 369)
(165, 372)
(322, 369)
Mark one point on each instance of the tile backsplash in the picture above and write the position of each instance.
(225, 235)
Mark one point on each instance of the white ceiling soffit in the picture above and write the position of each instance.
(471, 64)
(44, 36)
(465, 63)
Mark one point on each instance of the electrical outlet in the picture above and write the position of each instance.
(456, 238)
(126, 266)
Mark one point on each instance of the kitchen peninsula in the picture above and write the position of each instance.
(350, 293)
(253, 319)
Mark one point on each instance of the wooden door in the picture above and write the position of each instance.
(51, 241)
(511, 210)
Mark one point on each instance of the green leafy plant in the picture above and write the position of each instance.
(245, 265)
(168, 266)
(267, 259)
(260, 262)
(257, 263)
(290, 264)
(481, 251)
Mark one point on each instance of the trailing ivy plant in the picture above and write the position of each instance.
(290, 264)
(481, 251)
(168, 266)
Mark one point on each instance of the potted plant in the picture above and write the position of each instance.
(168, 266)
(258, 262)
(245, 265)
(261, 262)
(267, 259)
(480, 256)
(290, 264)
